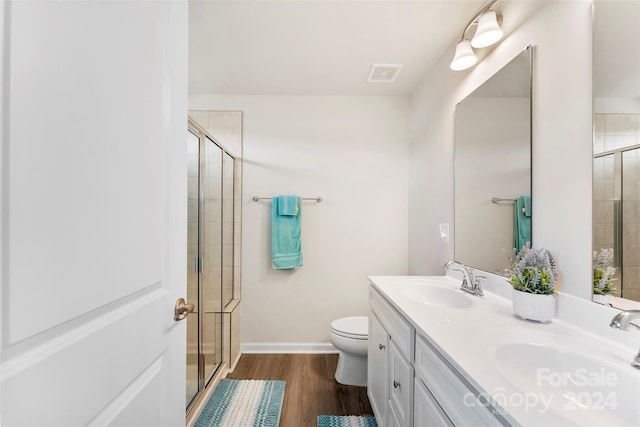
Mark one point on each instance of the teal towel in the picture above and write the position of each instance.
(527, 205)
(287, 205)
(522, 222)
(286, 247)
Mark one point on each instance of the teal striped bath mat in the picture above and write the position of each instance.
(347, 421)
(243, 403)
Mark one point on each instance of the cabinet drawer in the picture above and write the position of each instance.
(400, 331)
(453, 395)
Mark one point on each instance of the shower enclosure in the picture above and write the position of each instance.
(213, 187)
(616, 196)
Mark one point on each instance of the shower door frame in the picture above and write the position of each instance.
(618, 202)
(203, 138)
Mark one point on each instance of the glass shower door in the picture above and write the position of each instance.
(606, 203)
(616, 215)
(228, 217)
(204, 262)
(193, 200)
(211, 248)
(211, 286)
(629, 284)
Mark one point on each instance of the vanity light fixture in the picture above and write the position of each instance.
(488, 32)
(465, 57)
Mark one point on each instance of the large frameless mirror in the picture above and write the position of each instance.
(616, 142)
(493, 168)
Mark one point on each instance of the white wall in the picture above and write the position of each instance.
(616, 105)
(561, 33)
(353, 152)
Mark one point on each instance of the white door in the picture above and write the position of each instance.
(93, 212)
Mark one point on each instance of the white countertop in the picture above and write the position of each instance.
(471, 338)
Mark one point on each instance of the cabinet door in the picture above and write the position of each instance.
(377, 366)
(400, 385)
(426, 411)
(392, 420)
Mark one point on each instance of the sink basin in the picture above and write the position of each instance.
(570, 385)
(435, 292)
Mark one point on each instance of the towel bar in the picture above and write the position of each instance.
(317, 199)
(498, 200)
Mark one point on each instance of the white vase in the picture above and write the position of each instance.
(538, 307)
(602, 299)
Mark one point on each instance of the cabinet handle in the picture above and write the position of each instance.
(396, 384)
(381, 347)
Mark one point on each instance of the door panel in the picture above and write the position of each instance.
(82, 192)
(76, 360)
(93, 212)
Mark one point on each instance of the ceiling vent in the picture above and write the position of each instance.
(383, 73)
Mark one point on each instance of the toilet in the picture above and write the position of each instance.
(350, 336)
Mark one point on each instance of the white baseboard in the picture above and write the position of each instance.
(287, 348)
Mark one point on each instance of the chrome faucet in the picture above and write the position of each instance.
(622, 321)
(470, 283)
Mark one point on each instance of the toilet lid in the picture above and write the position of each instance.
(357, 326)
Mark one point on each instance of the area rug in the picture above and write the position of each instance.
(243, 403)
(346, 421)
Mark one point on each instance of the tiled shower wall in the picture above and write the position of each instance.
(618, 133)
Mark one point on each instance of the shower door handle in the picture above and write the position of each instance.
(182, 309)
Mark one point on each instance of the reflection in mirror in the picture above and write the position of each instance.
(493, 168)
(616, 141)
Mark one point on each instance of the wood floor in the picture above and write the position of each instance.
(311, 388)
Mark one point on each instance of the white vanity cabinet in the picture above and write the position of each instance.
(447, 390)
(390, 369)
(410, 384)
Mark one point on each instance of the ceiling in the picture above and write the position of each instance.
(318, 47)
(327, 47)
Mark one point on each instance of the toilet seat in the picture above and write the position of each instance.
(356, 327)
